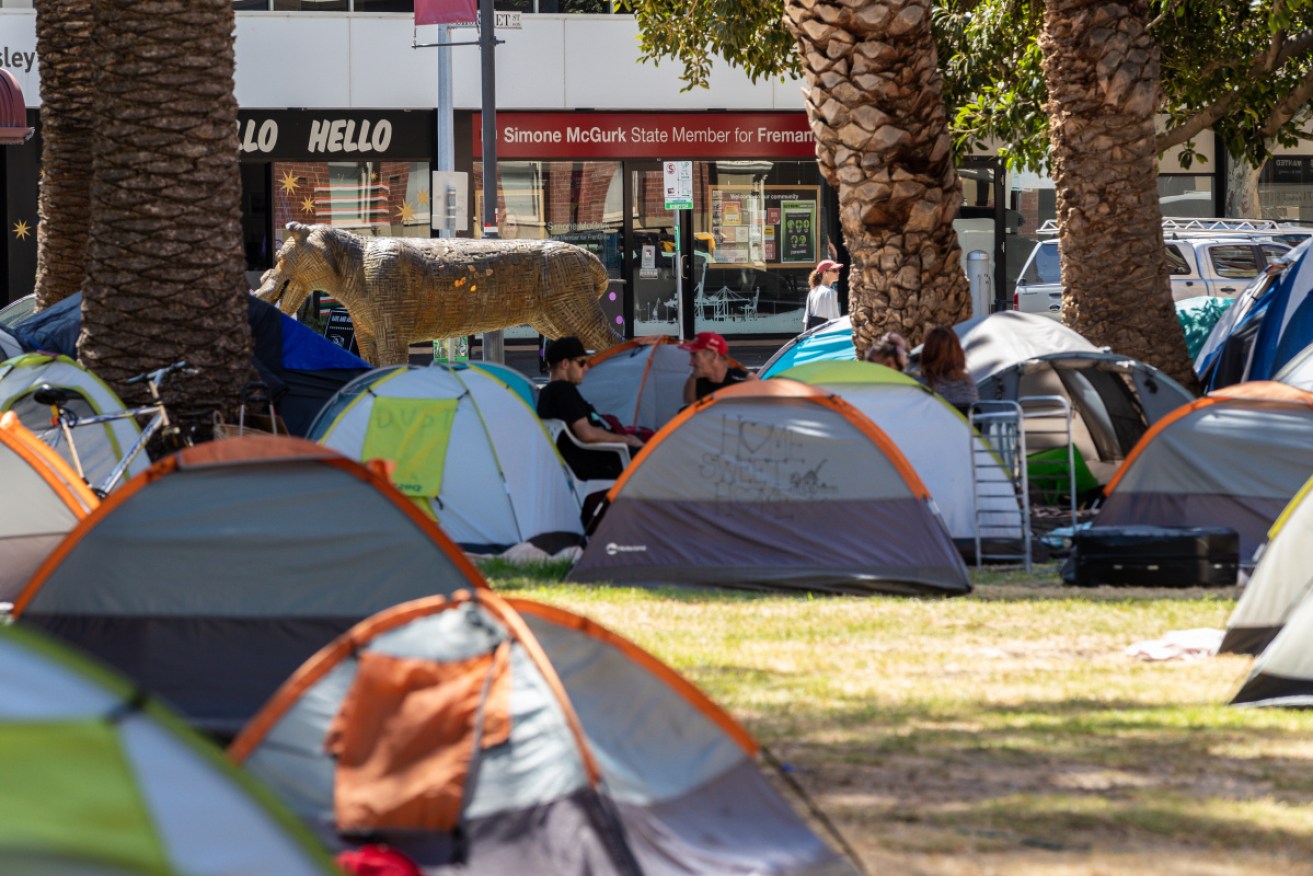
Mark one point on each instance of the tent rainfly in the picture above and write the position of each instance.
(44, 499)
(1234, 458)
(209, 578)
(489, 736)
(100, 779)
(467, 449)
(773, 484)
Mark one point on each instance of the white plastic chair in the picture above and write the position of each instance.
(587, 487)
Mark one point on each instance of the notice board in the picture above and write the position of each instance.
(764, 226)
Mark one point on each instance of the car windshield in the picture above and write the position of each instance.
(1045, 266)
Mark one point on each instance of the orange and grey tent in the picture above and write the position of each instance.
(488, 736)
(215, 573)
(641, 382)
(44, 499)
(774, 484)
(1234, 458)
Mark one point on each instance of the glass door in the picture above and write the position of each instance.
(650, 251)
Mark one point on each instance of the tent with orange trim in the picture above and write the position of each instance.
(1234, 458)
(215, 573)
(774, 484)
(44, 499)
(641, 382)
(489, 736)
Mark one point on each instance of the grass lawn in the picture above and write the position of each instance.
(1003, 732)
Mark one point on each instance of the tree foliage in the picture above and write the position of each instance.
(1242, 68)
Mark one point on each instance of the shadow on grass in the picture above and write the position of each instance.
(1085, 774)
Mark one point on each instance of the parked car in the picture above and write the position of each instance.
(1214, 266)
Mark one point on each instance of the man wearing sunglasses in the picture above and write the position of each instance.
(567, 363)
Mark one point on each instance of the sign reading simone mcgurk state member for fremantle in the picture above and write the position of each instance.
(335, 135)
(650, 135)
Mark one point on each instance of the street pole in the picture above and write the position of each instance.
(494, 349)
(446, 149)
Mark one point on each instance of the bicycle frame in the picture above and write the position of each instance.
(159, 421)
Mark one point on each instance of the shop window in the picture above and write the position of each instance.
(376, 198)
(312, 6)
(1187, 195)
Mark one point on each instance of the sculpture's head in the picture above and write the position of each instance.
(307, 261)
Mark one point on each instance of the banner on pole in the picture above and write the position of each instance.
(446, 11)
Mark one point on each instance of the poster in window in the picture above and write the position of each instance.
(747, 223)
(798, 219)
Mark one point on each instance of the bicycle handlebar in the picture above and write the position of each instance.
(158, 375)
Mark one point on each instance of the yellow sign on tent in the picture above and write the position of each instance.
(413, 433)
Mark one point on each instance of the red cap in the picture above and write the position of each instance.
(829, 265)
(706, 341)
(377, 860)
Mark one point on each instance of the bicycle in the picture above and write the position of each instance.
(158, 423)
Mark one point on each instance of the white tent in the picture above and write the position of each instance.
(935, 438)
(467, 448)
(1280, 581)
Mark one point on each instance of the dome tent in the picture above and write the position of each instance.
(467, 448)
(215, 573)
(100, 779)
(99, 448)
(489, 736)
(1281, 580)
(1114, 400)
(641, 381)
(1234, 458)
(936, 439)
(773, 484)
(828, 342)
(44, 499)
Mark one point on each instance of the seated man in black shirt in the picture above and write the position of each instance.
(567, 362)
(708, 355)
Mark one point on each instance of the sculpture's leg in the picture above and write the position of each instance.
(368, 346)
(582, 317)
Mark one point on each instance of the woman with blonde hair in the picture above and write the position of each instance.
(944, 368)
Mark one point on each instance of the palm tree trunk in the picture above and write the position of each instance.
(165, 265)
(68, 101)
(1101, 68)
(875, 99)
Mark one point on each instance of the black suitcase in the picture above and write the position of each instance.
(1156, 556)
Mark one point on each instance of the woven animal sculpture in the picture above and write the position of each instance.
(400, 290)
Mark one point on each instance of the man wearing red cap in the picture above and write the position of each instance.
(823, 299)
(708, 355)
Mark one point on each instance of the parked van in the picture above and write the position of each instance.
(1206, 257)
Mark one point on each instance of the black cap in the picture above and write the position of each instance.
(568, 347)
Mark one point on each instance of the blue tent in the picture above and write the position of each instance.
(831, 341)
(1269, 324)
(301, 368)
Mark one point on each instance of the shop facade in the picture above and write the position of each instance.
(338, 124)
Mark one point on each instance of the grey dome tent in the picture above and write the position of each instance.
(482, 735)
(215, 573)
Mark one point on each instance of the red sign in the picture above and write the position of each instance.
(446, 11)
(649, 135)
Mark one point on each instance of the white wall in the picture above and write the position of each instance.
(363, 61)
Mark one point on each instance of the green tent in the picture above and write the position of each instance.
(99, 780)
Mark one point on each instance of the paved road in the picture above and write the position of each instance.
(524, 357)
